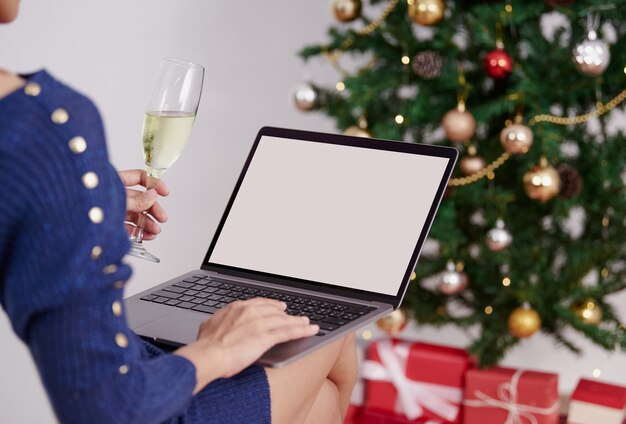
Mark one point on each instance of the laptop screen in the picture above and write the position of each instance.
(336, 214)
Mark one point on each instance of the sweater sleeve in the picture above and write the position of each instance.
(95, 370)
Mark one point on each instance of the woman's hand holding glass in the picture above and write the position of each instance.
(138, 201)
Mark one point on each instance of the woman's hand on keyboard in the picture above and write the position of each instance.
(237, 335)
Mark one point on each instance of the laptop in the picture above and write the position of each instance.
(330, 224)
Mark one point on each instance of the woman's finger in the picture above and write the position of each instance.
(260, 301)
(157, 211)
(290, 332)
(134, 177)
(146, 235)
(141, 202)
(149, 226)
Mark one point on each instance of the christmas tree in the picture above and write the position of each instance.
(530, 236)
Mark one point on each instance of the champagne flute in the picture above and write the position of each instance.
(167, 124)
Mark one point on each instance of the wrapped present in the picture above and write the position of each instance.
(415, 380)
(503, 395)
(378, 416)
(595, 402)
(353, 416)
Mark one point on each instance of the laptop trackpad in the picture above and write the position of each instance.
(180, 327)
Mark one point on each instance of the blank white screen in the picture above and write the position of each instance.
(340, 215)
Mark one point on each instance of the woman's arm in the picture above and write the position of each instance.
(92, 375)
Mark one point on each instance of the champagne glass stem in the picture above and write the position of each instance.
(137, 235)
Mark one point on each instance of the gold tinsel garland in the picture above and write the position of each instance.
(600, 110)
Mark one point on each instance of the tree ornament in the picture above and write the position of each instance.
(471, 163)
(356, 131)
(498, 238)
(306, 97)
(524, 321)
(571, 181)
(589, 312)
(453, 279)
(516, 138)
(591, 56)
(394, 322)
(427, 64)
(359, 130)
(426, 12)
(498, 63)
(542, 182)
(346, 10)
(458, 123)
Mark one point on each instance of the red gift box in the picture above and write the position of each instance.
(594, 401)
(415, 380)
(503, 395)
(353, 416)
(377, 416)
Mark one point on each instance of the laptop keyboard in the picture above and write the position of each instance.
(203, 294)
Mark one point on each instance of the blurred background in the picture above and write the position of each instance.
(110, 51)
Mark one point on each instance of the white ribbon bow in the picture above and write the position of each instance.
(507, 400)
(413, 396)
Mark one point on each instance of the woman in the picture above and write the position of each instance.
(62, 240)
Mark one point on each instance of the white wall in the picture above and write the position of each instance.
(110, 50)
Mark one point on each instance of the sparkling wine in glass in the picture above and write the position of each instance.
(167, 124)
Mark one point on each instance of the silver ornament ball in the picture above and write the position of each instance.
(592, 56)
(451, 280)
(305, 97)
(498, 238)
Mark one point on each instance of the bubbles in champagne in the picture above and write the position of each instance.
(165, 136)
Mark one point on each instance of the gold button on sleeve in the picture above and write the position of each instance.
(32, 89)
(110, 269)
(96, 215)
(119, 284)
(121, 340)
(116, 307)
(77, 145)
(96, 251)
(123, 369)
(90, 180)
(60, 116)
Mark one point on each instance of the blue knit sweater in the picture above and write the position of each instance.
(62, 241)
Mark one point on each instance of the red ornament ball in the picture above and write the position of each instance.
(498, 64)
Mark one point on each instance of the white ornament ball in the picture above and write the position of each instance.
(305, 97)
(592, 56)
(498, 238)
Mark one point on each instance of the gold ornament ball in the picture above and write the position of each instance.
(394, 322)
(589, 312)
(472, 164)
(426, 12)
(346, 10)
(356, 131)
(542, 182)
(524, 322)
(458, 124)
(516, 138)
